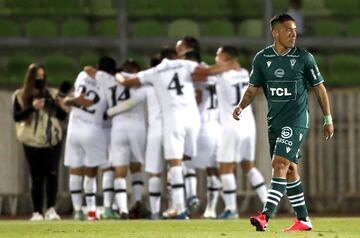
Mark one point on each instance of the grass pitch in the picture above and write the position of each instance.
(323, 227)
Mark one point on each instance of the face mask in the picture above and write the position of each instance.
(39, 83)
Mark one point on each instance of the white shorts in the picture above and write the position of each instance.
(127, 144)
(207, 146)
(107, 130)
(86, 145)
(180, 137)
(236, 145)
(154, 155)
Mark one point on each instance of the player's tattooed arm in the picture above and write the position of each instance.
(79, 101)
(248, 97)
(201, 73)
(127, 82)
(323, 99)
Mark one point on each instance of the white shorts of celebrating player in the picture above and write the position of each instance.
(180, 136)
(127, 144)
(154, 155)
(207, 146)
(107, 130)
(237, 144)
(86, 145)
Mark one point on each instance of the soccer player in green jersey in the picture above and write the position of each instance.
(285, 72)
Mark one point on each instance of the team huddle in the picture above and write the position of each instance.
(175, 117)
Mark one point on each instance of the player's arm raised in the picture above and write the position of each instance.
(201, 73)
(79, 101)
(322, 97)
(127, 82)
(248, 97)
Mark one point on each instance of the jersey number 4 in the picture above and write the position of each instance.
(175, 85)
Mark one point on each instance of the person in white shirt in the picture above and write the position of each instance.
(86, 147)
(127, 140)
(237, 143)
(172, 81)
(210, 129)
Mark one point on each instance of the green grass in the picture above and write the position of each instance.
(323, 227)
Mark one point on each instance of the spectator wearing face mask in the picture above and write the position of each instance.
(38, 110)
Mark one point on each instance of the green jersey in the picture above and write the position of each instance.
(285, 79)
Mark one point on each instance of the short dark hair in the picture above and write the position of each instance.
(154, 60)
(168, 53)
(130, 66)
(107, 64)
(193, 55)
(278, 19)
(191, 43)
(230, 51)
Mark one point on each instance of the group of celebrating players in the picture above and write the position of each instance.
(175, 116)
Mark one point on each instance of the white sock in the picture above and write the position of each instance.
(177, 187)
(75, 186)
(90, 193)
(229, 191)
(155, 194)
(121, 195)
(213, 186)
(138, 185)
(189, 179)
(258, 183)
(108, 187)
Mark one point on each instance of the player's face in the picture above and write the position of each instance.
(220, 57)
(285, 34)
(180, 49)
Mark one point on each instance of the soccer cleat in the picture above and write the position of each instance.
(182, 216)
(209, 214)
(300, 225)
(124, 216)
(169, 213)
(138, 211)
(51, 215)
(228, 214)
(192, 203)
(91, 216)
(36, 216)
(259, 222)
(109, 214)
(79, 215)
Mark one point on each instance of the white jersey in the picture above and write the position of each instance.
(173, 85)
(208, 107)
(153, 108)
(117, 94)
(231, 86)
(86, 141)
(92, 89)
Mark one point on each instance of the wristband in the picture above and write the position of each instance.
(328, 120)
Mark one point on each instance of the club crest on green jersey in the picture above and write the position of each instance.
(292, 62)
